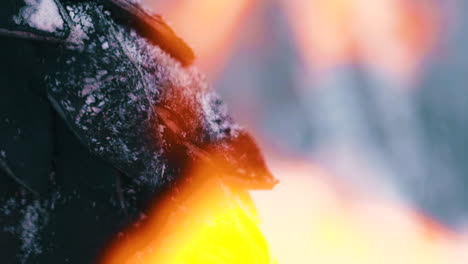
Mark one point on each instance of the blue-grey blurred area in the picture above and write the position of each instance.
(382, 133)
(402, 135)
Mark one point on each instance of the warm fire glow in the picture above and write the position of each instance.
(209, 26)
(203, 221)
(308, 219)
(390, 35)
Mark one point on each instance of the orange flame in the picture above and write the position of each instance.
(305, 220)
(202, 221)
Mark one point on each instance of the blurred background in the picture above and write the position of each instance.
(367, 94)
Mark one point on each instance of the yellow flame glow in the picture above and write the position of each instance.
(306, 219)
(204, 223)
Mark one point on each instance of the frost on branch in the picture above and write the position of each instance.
(40, 14)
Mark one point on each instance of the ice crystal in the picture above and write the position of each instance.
(40, 14)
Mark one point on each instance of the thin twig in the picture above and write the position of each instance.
(4, 166)
(119, 190)
(28, 35)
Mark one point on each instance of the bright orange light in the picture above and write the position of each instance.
(203, 221)
(390, 35)
(307, 219)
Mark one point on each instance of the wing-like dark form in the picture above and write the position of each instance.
(99, 113)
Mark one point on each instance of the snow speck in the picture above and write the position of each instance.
(133, 97)
(83, 25)
(90, 99)
(105, 45)
(33, 220)
(40, 14)
(217, 120)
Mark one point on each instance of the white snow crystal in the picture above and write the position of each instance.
(40, 14)
(105, 45)
(216, 116)
(133, 97)
(33, 221)
(83, 25)
(90, 99)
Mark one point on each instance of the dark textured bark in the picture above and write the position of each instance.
(83, 147)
